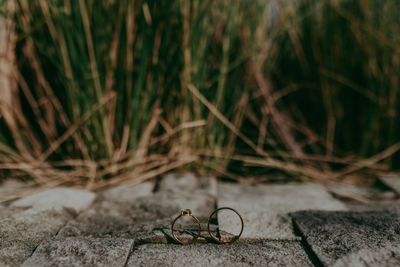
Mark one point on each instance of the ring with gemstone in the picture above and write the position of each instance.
(186, 212)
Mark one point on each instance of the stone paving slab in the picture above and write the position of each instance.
(386, 256)
(116, 213)
(352, 238)
(81, 252)
(26, 222)
(392, 181)
(273, 253)
(177, 192)
(57, 199)
(146, 218)
(23, 230)
(127, 192)
(168, 204)
(264, 208)
(188, 182)
(141, 214)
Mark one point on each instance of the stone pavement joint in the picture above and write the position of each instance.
(306, 246)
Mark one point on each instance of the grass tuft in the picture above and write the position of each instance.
(95, 93)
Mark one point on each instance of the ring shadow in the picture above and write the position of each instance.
(194, 234)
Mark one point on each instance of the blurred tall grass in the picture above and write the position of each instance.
(131, 89)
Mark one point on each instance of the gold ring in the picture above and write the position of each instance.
(186, 212)
(218, 239)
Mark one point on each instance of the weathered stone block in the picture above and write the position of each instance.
(274, 253)
(147, 217)
(187, 183)
(128, 193)
(352, 238)
(81, 252)
(23, 230)
(264, 208)
(57, 199)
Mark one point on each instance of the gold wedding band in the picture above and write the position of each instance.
(219, 240)
(186, 212)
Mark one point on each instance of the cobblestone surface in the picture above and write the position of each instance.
(129, 225)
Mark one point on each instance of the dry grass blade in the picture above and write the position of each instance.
(73, 128)
(288, 167)
(281, 125)
(132, 177)
(48, 93)
(171, 132)
(366, 163)
(347, 195)
(8, 86)
(224, 120)
(270, 86)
